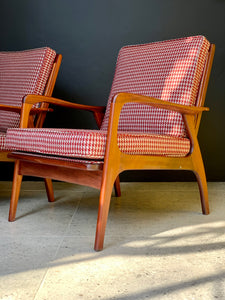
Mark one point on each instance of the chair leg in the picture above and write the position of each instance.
(117, 187)
(49, 190)
(199, 171)
(17, 179)
(103, 210)
(202, 184)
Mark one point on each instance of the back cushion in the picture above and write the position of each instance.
(22, 73)
(169, 70)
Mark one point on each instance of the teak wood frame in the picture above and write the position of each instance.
(104, 174)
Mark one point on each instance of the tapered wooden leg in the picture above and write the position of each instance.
(49, 189)
(197, 163)
(117, 187)
(17, 179)
(199, 171)
(202, 184)
(103, 210)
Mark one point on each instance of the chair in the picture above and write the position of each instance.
(151, 122)
(21, 73)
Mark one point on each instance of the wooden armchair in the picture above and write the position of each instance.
(21, 73)
(151, 122)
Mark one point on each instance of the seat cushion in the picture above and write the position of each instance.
(22, 73)
(170, 70)
(90, 144)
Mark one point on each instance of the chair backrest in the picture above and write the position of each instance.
(22, 73)
(170, 70)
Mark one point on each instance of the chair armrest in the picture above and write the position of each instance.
(33, 99)
(30, 100)
(18, 109)
(124, 98)
(10, 108)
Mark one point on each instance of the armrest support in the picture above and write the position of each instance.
(30, 100)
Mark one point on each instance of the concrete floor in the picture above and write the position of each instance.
(158, 245)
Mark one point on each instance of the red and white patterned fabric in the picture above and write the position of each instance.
(170, 70)
(22, 73)
(91, 143)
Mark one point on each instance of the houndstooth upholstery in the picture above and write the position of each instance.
(91, 143)
(169, 70)
(22, 73)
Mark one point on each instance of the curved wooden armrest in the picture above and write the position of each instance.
(10, 108)
(18, 109)
(30, 100)
(33, 99)
(123, 98)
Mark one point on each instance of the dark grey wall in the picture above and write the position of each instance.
(89, 34)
